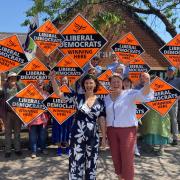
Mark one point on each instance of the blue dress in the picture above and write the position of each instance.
(84, 140)
(60, 133)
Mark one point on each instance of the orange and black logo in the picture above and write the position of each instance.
(127, 48)
(171, 51)
(82, 41)
(102, 92)
(165, 96)
(61, 110)
(11, 54)
(33, 71)
(27, 104)
(141, 110)
(136, 67)
(104, 78)
(47, 37)
(68, 67)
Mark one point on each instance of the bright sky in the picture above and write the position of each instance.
(12, 14)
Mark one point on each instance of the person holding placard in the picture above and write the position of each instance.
(122, 123)
(60, 133)
(175, 82)
(84, 140)
(94, 63)
(11, 120)
(37, 128)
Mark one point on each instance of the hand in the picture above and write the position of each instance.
(145, 77)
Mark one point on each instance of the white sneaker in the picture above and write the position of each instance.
(136, 151)
(33, 156)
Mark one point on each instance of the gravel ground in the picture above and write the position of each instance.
(148, 166)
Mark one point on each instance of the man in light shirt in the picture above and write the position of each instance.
(174, 81)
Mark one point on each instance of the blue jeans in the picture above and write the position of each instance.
(37, 136)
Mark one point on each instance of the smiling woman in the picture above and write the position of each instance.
(121, 123)
(84, 140)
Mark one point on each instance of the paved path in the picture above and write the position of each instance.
(51, 167)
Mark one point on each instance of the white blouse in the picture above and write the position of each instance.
(122, 111)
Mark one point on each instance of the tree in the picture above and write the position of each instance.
(164, 10)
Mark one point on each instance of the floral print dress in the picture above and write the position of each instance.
(84, 141)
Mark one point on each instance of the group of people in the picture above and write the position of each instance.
(115, 115)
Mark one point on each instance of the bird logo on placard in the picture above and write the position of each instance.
(128, 40)
(11, 44)
(30, 93)
(158, 86)
(79, 27)
(35, 66)
(47, 28)
(177, 42)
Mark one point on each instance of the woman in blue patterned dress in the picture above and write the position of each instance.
(84, 140)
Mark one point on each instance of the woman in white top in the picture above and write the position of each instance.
(121, 123)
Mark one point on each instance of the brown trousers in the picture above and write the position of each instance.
(12, 123)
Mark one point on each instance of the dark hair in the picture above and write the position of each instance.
(128, 79)
(90, 76)
(115, 75)
(96, 58)
(92, 69)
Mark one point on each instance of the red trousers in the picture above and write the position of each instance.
(122, 142)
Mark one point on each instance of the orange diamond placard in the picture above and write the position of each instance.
(68, 67)
(11, 54)
(102, 91)
(47, 37)
(27, 104)
(127, 48)
(59, 109)
(82, 41)
(171, 51)
(165, 96)
(33, 71)
(104, 78)
(141, 110)
(136, 67)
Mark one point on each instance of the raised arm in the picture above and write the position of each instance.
(146, 89)
(55, 86)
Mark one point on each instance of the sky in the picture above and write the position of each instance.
(12, 14)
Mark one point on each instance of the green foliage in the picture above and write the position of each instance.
(64, 9)
(26, 22)
(49, 7)
(107, 19)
